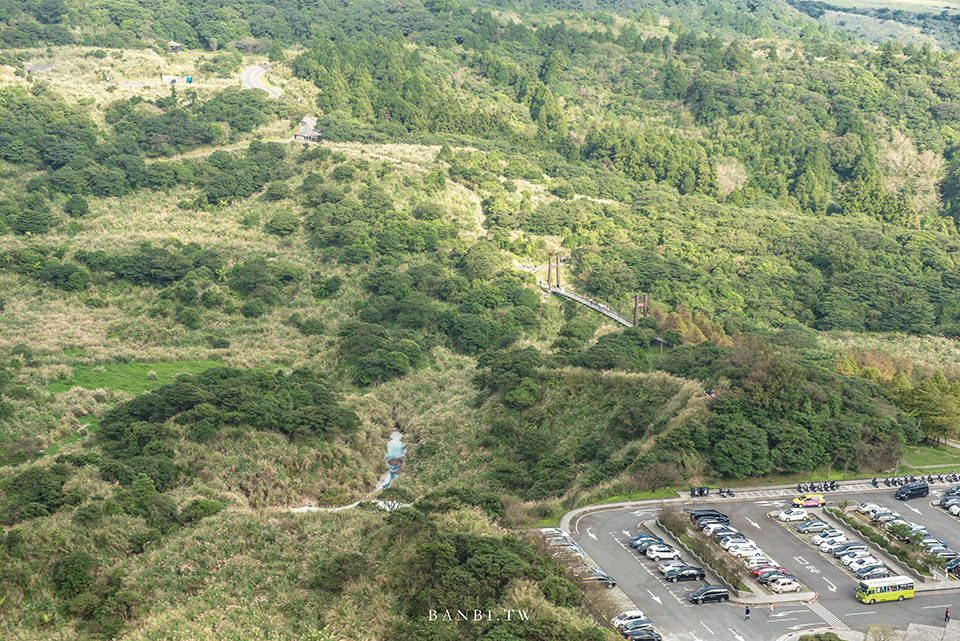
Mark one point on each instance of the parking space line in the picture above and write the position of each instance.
(705, 626)
(856, 614)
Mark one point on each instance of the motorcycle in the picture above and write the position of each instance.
(730, 492)
(886, 481)
(874, 482)
(721, 491)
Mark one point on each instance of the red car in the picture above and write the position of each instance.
(767, 568)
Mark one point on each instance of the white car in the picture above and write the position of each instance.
(755, 562)
(627, 617)
(793, 514)
(830, 546)
(862, 563)
(729, 543)
(666, 566)
(713, 527)
(865, 508)
(916, 527)
(784, 585)
(660, 552)
(747, 551)
(954, 509)
(849, 558)
(826, 534)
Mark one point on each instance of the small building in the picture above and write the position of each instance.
(174, 46)
(39, 68)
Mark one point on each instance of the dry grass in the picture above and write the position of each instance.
(927, 353)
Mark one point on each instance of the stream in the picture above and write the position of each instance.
(396, 450)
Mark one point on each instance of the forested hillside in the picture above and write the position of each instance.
(207, 322)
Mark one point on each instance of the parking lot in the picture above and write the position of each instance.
(605, 537)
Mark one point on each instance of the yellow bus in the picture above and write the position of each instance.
(893, 588)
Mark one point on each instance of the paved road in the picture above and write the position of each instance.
(603, 536)
(252, 78)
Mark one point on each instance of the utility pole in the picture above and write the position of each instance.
(549, 271)
(636, 309)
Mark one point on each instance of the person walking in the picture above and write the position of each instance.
(771, 609)
(746, 614)
(946, 616)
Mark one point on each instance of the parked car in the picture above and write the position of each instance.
(756, 562)
(813, 525)
(637, 540)
(826, 534)
(893, 523)
(768, 577)
(710, 528)
(646, 544)
(646, 634)
(953, 491)
(699, 514)
(672, 564)
(850, 557)
(847, 547)
(709, 593)
(864, 508)
(951, 564)
(883, 517)
(946, 554)
(809, 500)
(948, 500)
(911, 491)
(734, 540)
(598, 576)
(954, 509)
(865, 562)
(636, 626)
(767, 568)
(784, 585)
(747, 551)
(686, 573)
(660, 552)
(873, 572)
(831, 544)
(725, 531)
(625, 616)
(793, 514)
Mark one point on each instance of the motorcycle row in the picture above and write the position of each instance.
(825, 486)
(894, 481)
(703, 490)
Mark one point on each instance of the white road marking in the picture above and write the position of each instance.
(705, 626)
(856, 614)
(735, 635)
(930, 607)
(800, 560)
(626, 534)
(914, 509)
(591, 534)
(801, 626)
(655, 597)
(784, 620)
(830, 586)
(752, 522)
(783, 614)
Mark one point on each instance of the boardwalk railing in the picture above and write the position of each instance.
(597, 307)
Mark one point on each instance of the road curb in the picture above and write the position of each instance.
(846, 635)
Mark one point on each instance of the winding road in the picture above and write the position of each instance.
(252, 78)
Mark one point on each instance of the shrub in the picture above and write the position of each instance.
(311, 326)
(332, 575)
(283, 224)
(72, 574)
(253, 308)
(199, 509)
(76, 206)
(276, 191)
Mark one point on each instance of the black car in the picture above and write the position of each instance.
(644, 635)
(709, 593)
(953, 491)
(599, 577)
(707, 520)
(685, 573)
(768, 577)
(719, 533)
(871, 571)
(699, 514)
(912, 490)
(640, 538)
(644, 544)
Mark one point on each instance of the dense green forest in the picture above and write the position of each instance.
(207, 323)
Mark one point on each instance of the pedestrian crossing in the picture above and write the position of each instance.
(828, 616)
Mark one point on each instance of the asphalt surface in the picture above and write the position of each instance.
(252, 78)
(604, 537)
